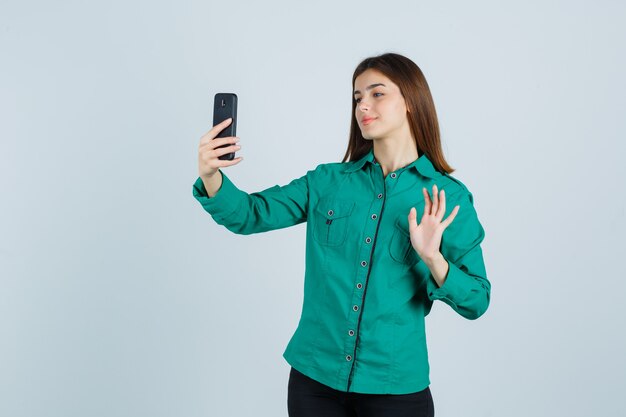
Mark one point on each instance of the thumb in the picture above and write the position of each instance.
(412, 218)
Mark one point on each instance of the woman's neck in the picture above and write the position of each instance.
(393, 158)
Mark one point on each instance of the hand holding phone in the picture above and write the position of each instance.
(213, 147)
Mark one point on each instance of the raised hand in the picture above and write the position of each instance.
(426, 236)
(209, 150)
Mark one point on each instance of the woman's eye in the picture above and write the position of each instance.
(358, 99)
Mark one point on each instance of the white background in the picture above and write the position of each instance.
(120, 296)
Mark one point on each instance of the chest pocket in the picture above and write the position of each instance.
(331, 218)
(400, 247)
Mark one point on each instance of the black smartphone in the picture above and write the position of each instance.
(225, 106)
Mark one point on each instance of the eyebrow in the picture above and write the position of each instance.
(370, 87)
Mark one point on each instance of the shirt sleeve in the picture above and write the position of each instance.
(466, 288)
(242, 213)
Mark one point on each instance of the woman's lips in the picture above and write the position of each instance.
(367, 121)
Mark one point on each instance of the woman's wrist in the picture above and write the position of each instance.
(438, 266)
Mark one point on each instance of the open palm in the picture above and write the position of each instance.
(426, 237)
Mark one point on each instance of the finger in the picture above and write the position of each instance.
(412, 218)
(435, 200)
(223, 151)
(210, 155)
(451, 217)
(217, 142)
(226, 163)
(427, 204)
(442, 205)
(223, 124)
(218, 128)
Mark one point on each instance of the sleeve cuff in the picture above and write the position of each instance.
(454, 288)
(224, 203)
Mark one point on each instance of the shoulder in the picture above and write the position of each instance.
(329, 170)
(455, 188)
(466, 224)
(335, 166)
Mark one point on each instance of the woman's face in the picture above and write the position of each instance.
(379, 100)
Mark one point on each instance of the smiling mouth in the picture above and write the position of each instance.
(367, 121)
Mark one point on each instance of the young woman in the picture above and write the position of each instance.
(372, 270)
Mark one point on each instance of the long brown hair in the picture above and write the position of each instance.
(422, 115)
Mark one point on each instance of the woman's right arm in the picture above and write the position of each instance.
(238, 211)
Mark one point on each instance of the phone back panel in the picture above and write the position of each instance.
(225, 106)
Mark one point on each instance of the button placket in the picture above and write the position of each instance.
(366, 256)
(367, 253)
(370, 232)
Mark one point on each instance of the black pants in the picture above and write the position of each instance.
(309, 398)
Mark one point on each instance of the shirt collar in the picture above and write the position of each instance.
(423, 165)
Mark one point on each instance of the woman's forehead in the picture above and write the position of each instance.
(369, 79)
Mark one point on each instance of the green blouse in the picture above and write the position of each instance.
(366, 291)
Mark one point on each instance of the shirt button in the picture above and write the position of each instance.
(359, 285)
(348, 358)
(374, 216)
(330, 212)
(355, 308)
(393, 175)
(368, 239)
(351, 332)
(363, 263)
(380, 195)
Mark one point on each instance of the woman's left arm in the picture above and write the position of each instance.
(458, 276)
